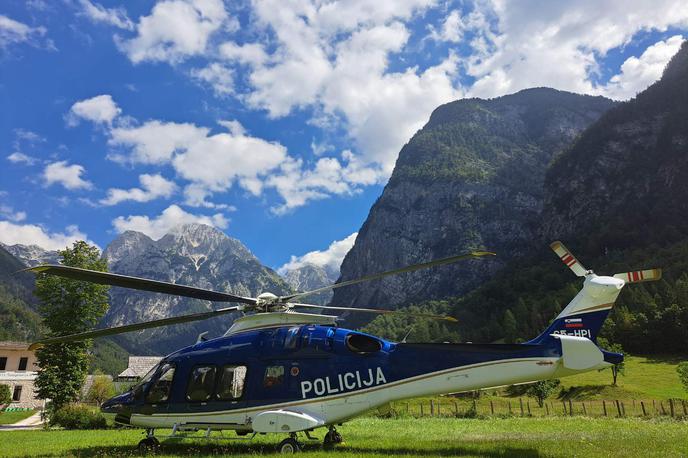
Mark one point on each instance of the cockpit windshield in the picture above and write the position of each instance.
(146, 378)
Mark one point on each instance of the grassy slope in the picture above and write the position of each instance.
(7, 418)
(646, 378)
(409, 437)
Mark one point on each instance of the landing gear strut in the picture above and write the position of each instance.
(332, 438)
(289, 445)
(150, 444)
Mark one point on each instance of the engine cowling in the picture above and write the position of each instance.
(284, 421)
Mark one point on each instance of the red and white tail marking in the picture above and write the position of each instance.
(640, 275)
(568, 259)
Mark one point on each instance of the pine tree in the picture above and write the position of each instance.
(68, 307)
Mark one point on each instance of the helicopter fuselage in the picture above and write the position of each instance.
(324, 373)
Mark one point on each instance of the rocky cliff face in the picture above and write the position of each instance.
(624, 183)
(310, 276)
(32, 255)
(195, 255)
(471, 178)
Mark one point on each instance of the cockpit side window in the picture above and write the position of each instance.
(292, 338)
(160, 390)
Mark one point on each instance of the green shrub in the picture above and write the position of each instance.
(5, 395)
(682, 370)
(78, 416)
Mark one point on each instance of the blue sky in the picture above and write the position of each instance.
(278, 122)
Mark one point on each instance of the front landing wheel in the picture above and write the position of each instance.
(288, 446)
(149, 445)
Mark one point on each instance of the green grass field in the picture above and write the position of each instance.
(522, 437)
(646, 378)
(7, 418)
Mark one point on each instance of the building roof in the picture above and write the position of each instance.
(14, 345)
(139, 366)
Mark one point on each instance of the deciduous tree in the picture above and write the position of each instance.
(67, 307)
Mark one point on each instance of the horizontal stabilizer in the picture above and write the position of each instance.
(568, 259)
(640, 275)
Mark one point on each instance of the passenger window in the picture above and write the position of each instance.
(201, 384)
(274, 375)
(160, 391)
(231, 384)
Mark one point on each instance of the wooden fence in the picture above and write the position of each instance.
(455, 407)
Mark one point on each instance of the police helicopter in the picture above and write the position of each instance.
(279, 370)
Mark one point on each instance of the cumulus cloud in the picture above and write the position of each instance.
(31, 234)
(100, 110)
(160, 225)
(451, 30)
(152, 187)
(329, 259)
(219, 77)
(67, 175)
(531, 43)
(637, 73)
(9, 213)
(21, 158)
(175, 30)
(113, 16)
(13, 32)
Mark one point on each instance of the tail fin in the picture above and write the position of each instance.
(585, 314)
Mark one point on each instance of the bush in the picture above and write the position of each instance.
(5, 395)
(78, 416)
(682, 370)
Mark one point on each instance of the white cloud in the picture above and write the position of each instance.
(154, 186)
(9, 213)
(154, 142)
(100, 110)
(19, 158)
(219, 77)
(67, 175)
(31, 234)
(637, 73)
(556, 44)
(330, 259)
(175, 30)
(249, 54)
(160, 225)
(451, 30)
(112, 16)
(13, 32)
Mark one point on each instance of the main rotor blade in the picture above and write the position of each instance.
(135, 327)
(414, 267)
(143, 284)
(380, 311)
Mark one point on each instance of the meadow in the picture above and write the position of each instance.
(373, 437)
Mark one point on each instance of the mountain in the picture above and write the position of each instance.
(192, 254)
(624, 183)
(32, 255)
(310, 276)
(471, 178)
(618, 198)
(18, 318)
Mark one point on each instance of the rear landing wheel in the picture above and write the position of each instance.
(149, 445)
(332, 438)
(288, 446)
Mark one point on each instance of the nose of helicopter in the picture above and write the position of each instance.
(120, 405)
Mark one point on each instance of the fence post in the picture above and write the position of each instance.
(432, 408)
(520, 400)
(618, 407)
(492, 407)
(642, 405)
(563, 404)
(456, 408)
(439, 407)
(407, 408)
(671, 407)
(685, 411)
(547, 408)
(510, 407)
(604, 407)
(661, 404)
(475, 406)
(421, 408)
(585, 412)
(570, 407)
(528, 405)
(623, 409)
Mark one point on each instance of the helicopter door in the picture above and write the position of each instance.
(158, 394)
(200, 387)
